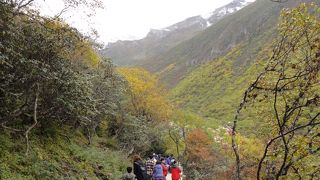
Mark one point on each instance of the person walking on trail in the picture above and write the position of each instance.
(157, 171)
(129, 175)
(139, 168)
(150, 165)
(154, 158)
(164, 167)
(168, 160)
(175, 171)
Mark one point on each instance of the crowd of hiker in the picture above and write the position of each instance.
(156, 167)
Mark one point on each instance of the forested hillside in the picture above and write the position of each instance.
(213, 72)
(249, 23)
(215, 89)
(66, 112)
(237, 100)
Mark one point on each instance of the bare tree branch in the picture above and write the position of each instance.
(35, 121)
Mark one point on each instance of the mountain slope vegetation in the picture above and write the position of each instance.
(243, 99)
(215, 89)
(65, 112)
(248, 23)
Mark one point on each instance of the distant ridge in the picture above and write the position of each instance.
(158, 41)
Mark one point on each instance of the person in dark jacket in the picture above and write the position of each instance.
(139, 168)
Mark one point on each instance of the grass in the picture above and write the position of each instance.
(59, 158)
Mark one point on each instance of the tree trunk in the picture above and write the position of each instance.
(35, 121)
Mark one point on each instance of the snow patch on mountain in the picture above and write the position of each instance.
(166, 29)
(208, 24)
(206, 15)
(202, 21)
(232, 7)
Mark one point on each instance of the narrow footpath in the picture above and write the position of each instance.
(168, 176)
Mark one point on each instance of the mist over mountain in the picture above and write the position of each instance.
(158, 41)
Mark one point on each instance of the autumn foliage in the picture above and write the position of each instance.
(147, 98)
(199, 153)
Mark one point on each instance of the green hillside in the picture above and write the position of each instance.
(65, 112)
(281, 107)
(214, 90)
(244, 25)
(62, 155)
(240, 100)
(254, 20)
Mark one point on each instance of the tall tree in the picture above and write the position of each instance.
(290, 82)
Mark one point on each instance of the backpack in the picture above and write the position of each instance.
(129, 176)
(143, 171)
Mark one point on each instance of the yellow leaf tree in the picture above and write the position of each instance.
(147, 97)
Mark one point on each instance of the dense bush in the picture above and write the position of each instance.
(50, 75)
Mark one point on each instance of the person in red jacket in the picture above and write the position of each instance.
(175, 171)
(164, 167)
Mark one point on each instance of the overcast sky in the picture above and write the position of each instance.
(132, 19)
